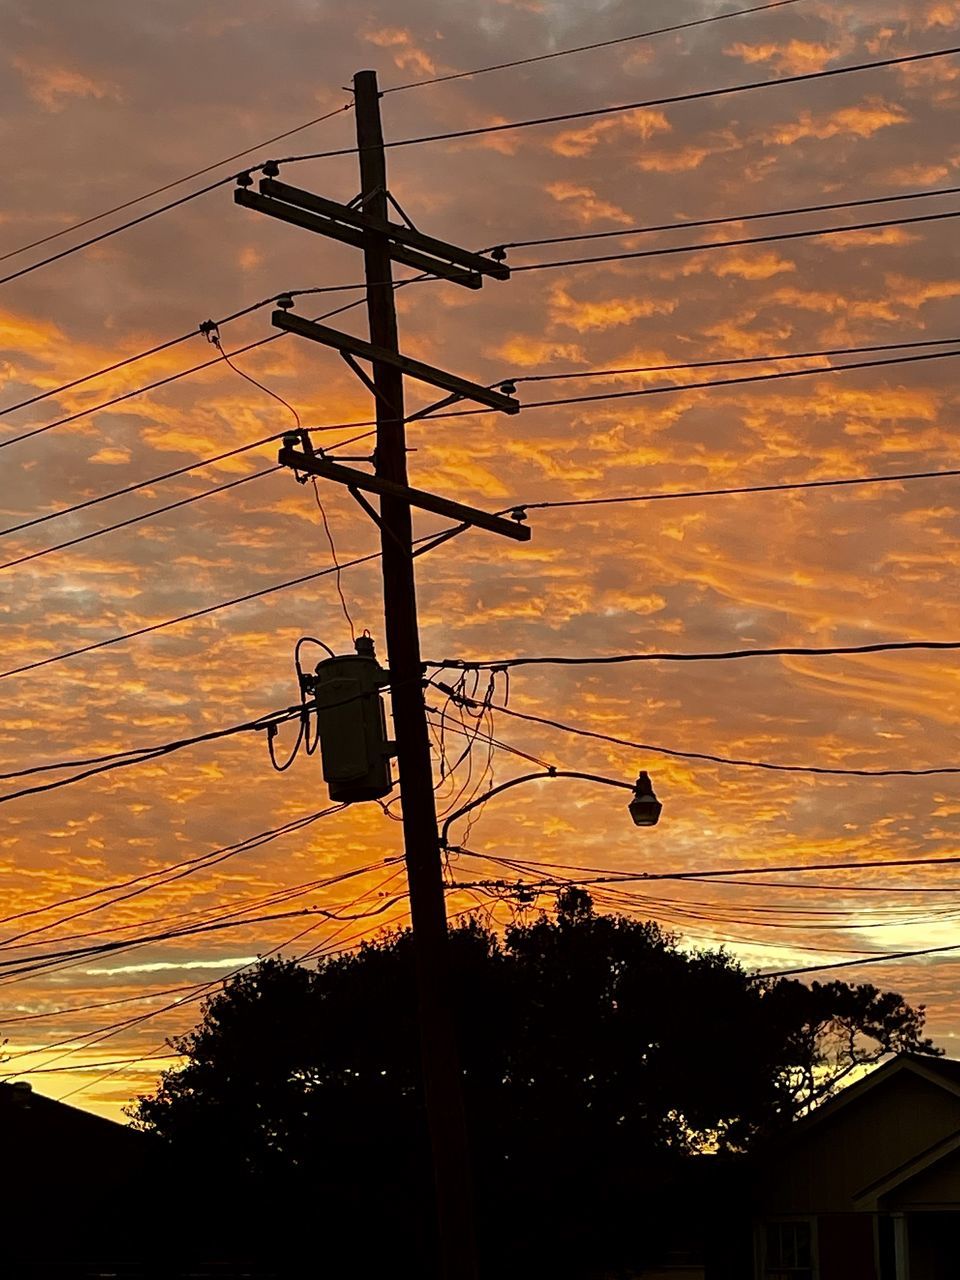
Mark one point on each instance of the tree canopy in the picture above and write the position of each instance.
(596, 1053)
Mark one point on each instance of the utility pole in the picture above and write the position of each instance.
(440, 1060)
(365, 224)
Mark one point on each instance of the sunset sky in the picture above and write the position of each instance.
(104, 101)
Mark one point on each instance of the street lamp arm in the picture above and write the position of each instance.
(515, 782)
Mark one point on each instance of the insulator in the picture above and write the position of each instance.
(271, 169)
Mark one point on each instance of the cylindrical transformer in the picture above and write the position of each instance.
(354, 746)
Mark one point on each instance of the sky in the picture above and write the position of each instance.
(104, 101)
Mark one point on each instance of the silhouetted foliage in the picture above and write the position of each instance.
(596, 1055)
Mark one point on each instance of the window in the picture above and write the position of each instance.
(788, 1251)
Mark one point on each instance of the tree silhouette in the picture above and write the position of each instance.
(597, 1056)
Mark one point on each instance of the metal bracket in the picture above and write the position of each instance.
(450, 382)
(373, 513)
(440, 538)
(362, 480)
(365, 378)
(396, 204)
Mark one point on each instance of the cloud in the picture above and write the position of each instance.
(407, 54)
(52, 84)
(860, 121)
(793, 57)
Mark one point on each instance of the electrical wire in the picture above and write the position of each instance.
(726, 655)
(204, 988)
(153, 627)
(604, 875)
(849, 964)
(120, 760)
(574, 375)
(183, 373)
(168, 186)
(213, 337)
(585, 48)
(199, 613)
(589, 373)
(150, 880)
(123, 226)
(338, 568)
(744, 241)
(788, 487)
(140, 484)
(731, 761)
(679, 388)
(124, 363)
(49, 1014)
(453, 414)
(671, 100)
(144, 515)
(689, 224)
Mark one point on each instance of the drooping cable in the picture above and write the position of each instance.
(624, 107)
(586, 48)
(168, 186)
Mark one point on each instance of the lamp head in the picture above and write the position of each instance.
(644, 808)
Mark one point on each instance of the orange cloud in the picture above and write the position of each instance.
(406, 53)
(859, 121)
(51, 84)
(581, 142)
(583, 314)
(793, 57)
(587, 207)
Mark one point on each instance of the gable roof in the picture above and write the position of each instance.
(33, 1128)
(943, 1072)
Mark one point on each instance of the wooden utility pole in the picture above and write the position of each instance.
(365, 224)
(441, 1066)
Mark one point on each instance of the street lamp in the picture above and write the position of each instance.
(644, 808)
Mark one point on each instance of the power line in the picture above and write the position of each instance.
(183, 373)
(849, 964)
(776, 651)
(709, 758)
(672, 100)
(585, 48)
(166, 345)
(185, 617)
(605, 875)
(197, 173)
(897, 477)
(144, 515)
(541, 404)
(140, 484)
(123, 759)
(774, 237)
(46, 960)
(573, 375)
(94, 1066)
(105, 235)
(199, 990)
(49, 1014)
(152, 386)
(688, 224)
(588, 373)
(163, 876)
(675, 389)
(706, 222)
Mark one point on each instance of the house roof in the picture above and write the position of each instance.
(34, 1129)
(944, 1072)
